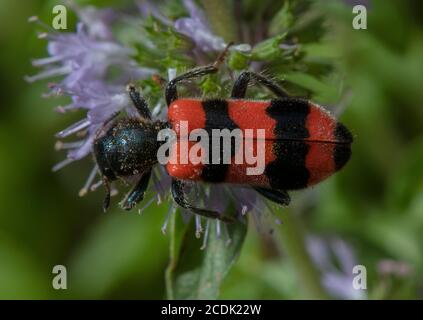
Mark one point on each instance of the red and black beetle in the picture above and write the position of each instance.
(304, 144)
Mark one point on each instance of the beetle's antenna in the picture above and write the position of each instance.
(159, 80)
(221, 58)
(101, 129)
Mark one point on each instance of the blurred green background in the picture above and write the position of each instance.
(375, 204)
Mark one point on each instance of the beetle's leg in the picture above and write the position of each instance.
(137, 193)
(106, 201)
(179, 197)
(171, 92)
(240, 87)
(139, 102)
(279, 196)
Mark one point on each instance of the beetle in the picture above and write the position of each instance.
(304, 144)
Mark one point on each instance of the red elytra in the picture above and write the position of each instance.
(252, 114)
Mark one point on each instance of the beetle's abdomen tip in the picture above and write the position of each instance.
(342, 134)
(342, 151)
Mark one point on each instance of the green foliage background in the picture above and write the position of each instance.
(375, 203)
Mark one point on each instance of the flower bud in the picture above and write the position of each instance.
(238, 60)
(268, 49)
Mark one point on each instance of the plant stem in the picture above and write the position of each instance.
(292, 236)
(172, 259)
(221, 18)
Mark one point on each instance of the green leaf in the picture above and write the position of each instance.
(325, 91)
(282, 20)
(198, 274)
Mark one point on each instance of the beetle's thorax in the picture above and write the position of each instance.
(129, 147)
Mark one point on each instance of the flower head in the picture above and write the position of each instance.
(84, 59)
(81, 57)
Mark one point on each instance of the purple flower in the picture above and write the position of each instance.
(81, 57)
(352, 3)
(387, 267)
(102, 102)
(337, 281)
(197, 28)
(148, 8)
(97, 20)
